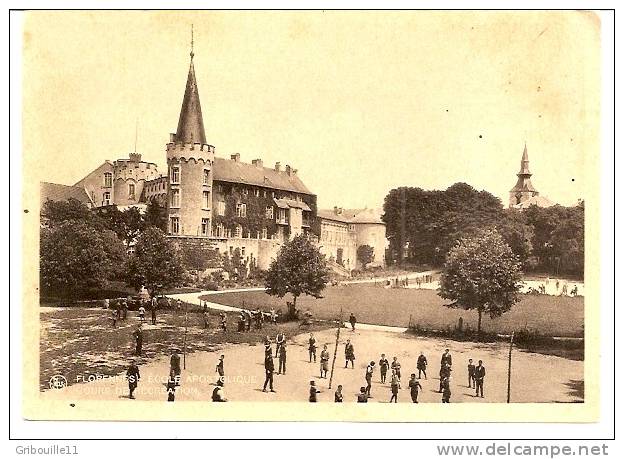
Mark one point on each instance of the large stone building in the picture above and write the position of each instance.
(342, 231)
(211, 201)
(524, 194)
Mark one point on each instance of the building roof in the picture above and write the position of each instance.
(227, 170)
(58, 192)
(539, 201)
(191, 123)
(353, 216)
(286, 203)
(523, 184)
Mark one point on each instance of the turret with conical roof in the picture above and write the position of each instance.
(523, 190)
(190, 160)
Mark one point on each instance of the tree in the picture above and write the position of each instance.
(155, 264)
(482, 273)
(57, 212)
(365, 255)
(156, 215)
(299, 268)
(76, 257)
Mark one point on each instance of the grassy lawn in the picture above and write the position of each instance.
(78, 342)
(548, 315)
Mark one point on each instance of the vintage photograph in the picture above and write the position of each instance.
(328, 207)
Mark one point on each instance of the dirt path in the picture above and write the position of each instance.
(536, 377)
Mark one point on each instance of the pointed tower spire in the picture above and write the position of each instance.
(191, 124)
(524, 163)
(523, 189)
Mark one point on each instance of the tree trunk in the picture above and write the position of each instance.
(479, 323)
(292, 308)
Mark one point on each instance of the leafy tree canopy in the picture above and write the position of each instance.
(299, 269)
(481, 272)
(155, 264)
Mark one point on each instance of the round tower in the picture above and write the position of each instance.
(190, 161)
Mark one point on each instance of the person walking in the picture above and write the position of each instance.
(153, 309)
(133, 376)
(174, 365)
(218, 394)
(324, 361)
(220, 369)
(395, 366)
(471, 374)
(395, 385)
(313, 392)
(421, 365)
(383, 367)
(338, 394)
(280, 339)
(141, 313)
(281, 369)
(445, 373)
(414, 387)
(479, 375)
(206, 318)
(312, 347)
(114, 314)
(446, 359)
(446, 390)
(352, 321)
(124, 309)
(349, 354)
(138, 339)
(370, 369)
(269, 368)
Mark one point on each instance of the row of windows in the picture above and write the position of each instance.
(175, 199)
(174, 223)
(221, 231)
(175, 175)
(257, 192)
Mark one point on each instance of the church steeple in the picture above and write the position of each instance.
(191, 124)
(523, 189)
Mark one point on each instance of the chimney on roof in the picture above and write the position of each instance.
(337, 210)
(257, 162)
(235, 157)
(288, 169)
(278, 166)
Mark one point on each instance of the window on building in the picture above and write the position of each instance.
(221, 208)
(131, 191)
(175, 225)
(257, 192)
(265, 233)
(175, 198)
(206, 199)
(245, 191)
(241, 210)
(106, 200)
(282, 215)
(205, 225)
(269, 212)
(206, 176)
(220, 230)
(175, 174)
(108, 179)
(239, 231)
(264, 193)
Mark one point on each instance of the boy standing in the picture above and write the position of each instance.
(471, 374)
(383, 367)
(414, 387)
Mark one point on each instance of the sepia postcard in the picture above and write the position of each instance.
(285, 215)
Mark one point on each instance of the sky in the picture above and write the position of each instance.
(358, 102)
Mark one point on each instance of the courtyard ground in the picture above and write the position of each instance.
(76, 342)
(546, 314)
(535, 377)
